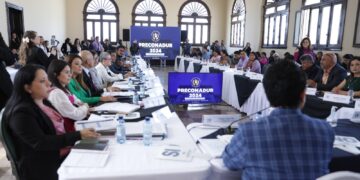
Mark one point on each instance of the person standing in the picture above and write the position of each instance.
(30, 53)
(305, 48)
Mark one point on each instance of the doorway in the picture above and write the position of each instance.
(15, 19)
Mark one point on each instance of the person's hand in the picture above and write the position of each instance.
(113, 89)
(311, 83)
(107, 98)
(335, 90)
(89, 133)
(129, 74)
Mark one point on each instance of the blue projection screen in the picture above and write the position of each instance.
(157, 42)
(194, 88)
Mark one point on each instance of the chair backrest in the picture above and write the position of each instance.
(8, 145)
(265, 68)
(341, 175)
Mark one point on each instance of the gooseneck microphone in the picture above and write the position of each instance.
(229, 129)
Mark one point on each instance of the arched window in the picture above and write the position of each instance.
(149, 13)
(101, 18)
(237, 32)
(194, 17)
(276, 19)
(323, 21)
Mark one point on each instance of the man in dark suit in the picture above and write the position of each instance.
(309, 67)
(330, 75)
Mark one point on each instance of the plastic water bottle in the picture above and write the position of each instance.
(351, 94)
(332, 118)
(120, 131)
(147, 132)
(142, 90)
(135, 99)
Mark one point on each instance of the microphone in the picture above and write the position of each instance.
(229, 129)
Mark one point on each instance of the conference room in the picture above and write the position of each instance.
(186, 89)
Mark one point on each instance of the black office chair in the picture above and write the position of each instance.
(8, 145)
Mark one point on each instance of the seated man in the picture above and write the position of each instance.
(286, 144)
(330, 75)
(308, 66)
(119, 66)
(104, 72)
(236, 58)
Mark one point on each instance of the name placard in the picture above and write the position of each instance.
(254, 76)
(356, 116)
(336, 98)
(310, 91)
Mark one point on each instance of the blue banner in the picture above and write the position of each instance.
(194, 88)
(157, 42)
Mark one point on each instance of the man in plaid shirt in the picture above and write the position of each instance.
(287, 144)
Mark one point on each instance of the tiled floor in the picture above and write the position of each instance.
(188, 114)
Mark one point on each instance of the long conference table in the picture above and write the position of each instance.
(133, 160)
(246, 93)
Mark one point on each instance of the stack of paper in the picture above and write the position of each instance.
(117, 107)
(83, 158)
(347, 143)
(213, 147)
(153, 102)
(121, 93)
(159, 91)
(98, 125)
(135, 129)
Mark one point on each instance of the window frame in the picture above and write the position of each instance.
(149, 15)
(101, 20)
(320, 6)
(357, 28)
(233, 15)
(274, 15)
(180, 16)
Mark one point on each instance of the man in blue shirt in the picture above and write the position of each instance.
(287, 144)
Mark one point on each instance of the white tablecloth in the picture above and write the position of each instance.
(12, 72)
(256, 102)
(229, 93)
(135, 161)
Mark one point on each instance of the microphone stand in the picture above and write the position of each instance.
(229, 129)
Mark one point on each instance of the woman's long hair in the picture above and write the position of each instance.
(354, 59)
(79, 78)
(54, 70)
(25, 76)
(26, 45)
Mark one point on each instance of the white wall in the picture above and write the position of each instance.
(47, 17)
(74, 16)
(253, 25)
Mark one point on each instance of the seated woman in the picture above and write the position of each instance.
(70, 107)
(77, 85)
(215, 57)
(253, 64)
(36, 128)
(224, 60)
(352, 81)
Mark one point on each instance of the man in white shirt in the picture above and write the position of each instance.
(103, 70)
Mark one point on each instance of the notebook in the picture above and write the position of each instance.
(91, 144)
